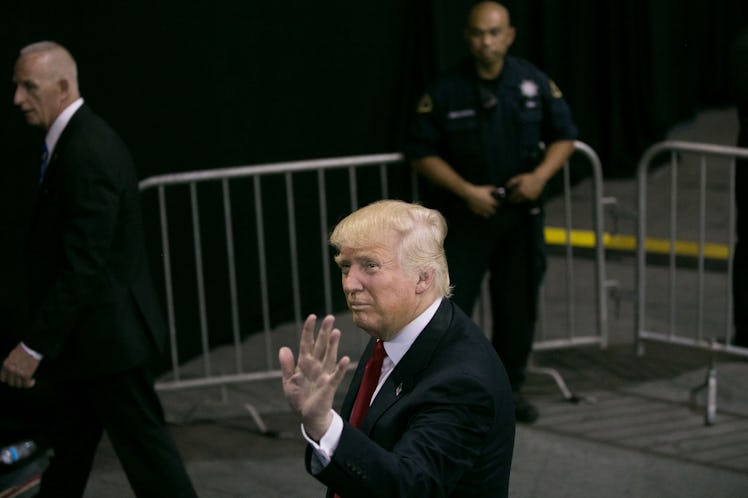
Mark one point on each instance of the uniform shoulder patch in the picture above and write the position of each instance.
(425, 105)
(555, 91)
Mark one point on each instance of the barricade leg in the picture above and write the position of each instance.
(710, 388)
(560, 383)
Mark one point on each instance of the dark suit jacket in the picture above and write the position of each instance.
(93, 306)
(441, 425)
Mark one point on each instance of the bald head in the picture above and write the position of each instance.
(482, 9)
(489, 34)
(46, 79)
(58, 63)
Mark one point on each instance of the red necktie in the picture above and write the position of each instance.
(368, 384)
(372, 370)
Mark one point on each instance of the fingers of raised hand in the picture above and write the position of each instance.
(330, 358)
(342, 368)
(321, 345)
(286, 360)
(306, 344)
(317, 355)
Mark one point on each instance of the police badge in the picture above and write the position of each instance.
(529, 89)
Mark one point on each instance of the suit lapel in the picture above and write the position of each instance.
(403, 378)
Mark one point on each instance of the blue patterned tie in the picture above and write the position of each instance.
(45, 162)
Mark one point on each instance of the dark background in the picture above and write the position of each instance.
(200, 85)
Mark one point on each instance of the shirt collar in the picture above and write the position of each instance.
(54, 132)
(401, 343)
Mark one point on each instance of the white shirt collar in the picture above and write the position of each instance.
(401, 343)
(54, 132)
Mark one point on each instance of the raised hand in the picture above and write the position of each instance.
(310, 383)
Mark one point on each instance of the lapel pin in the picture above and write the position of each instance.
(399, 389)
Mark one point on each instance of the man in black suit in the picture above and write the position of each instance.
(94, 320)
(440, 421)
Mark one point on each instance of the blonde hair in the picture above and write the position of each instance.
(421, 232)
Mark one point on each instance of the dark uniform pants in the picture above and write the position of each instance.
(506, 246)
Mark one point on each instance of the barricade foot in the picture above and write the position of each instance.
(710, 387)
(561, 384)
(258, 421)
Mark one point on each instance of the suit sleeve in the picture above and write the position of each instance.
(439, 444)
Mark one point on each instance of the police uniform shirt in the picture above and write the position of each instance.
(489, 131)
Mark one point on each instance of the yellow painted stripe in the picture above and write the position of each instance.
(586, 239)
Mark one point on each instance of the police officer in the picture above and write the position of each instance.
(477, 136)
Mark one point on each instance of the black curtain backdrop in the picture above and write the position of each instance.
(201, 85)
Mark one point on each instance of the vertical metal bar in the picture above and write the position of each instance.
(322, 193)
(231, 261)
(702, 237)
(383, 181)
(262, 260)
(200, 278)
(641, 254)
(568, 221)
(673, 239)
(353, 187)
(293, 248)
(730, 253)
(600, 274)
(169, 288)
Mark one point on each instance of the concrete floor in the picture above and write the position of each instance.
(634, 432)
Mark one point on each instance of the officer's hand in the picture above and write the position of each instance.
(525, 187)
(480, 200)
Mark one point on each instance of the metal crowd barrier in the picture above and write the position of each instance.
(573, 334)
(689, 239)
(221, 192)
(322, 169)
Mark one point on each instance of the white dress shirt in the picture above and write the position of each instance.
(54, 132)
